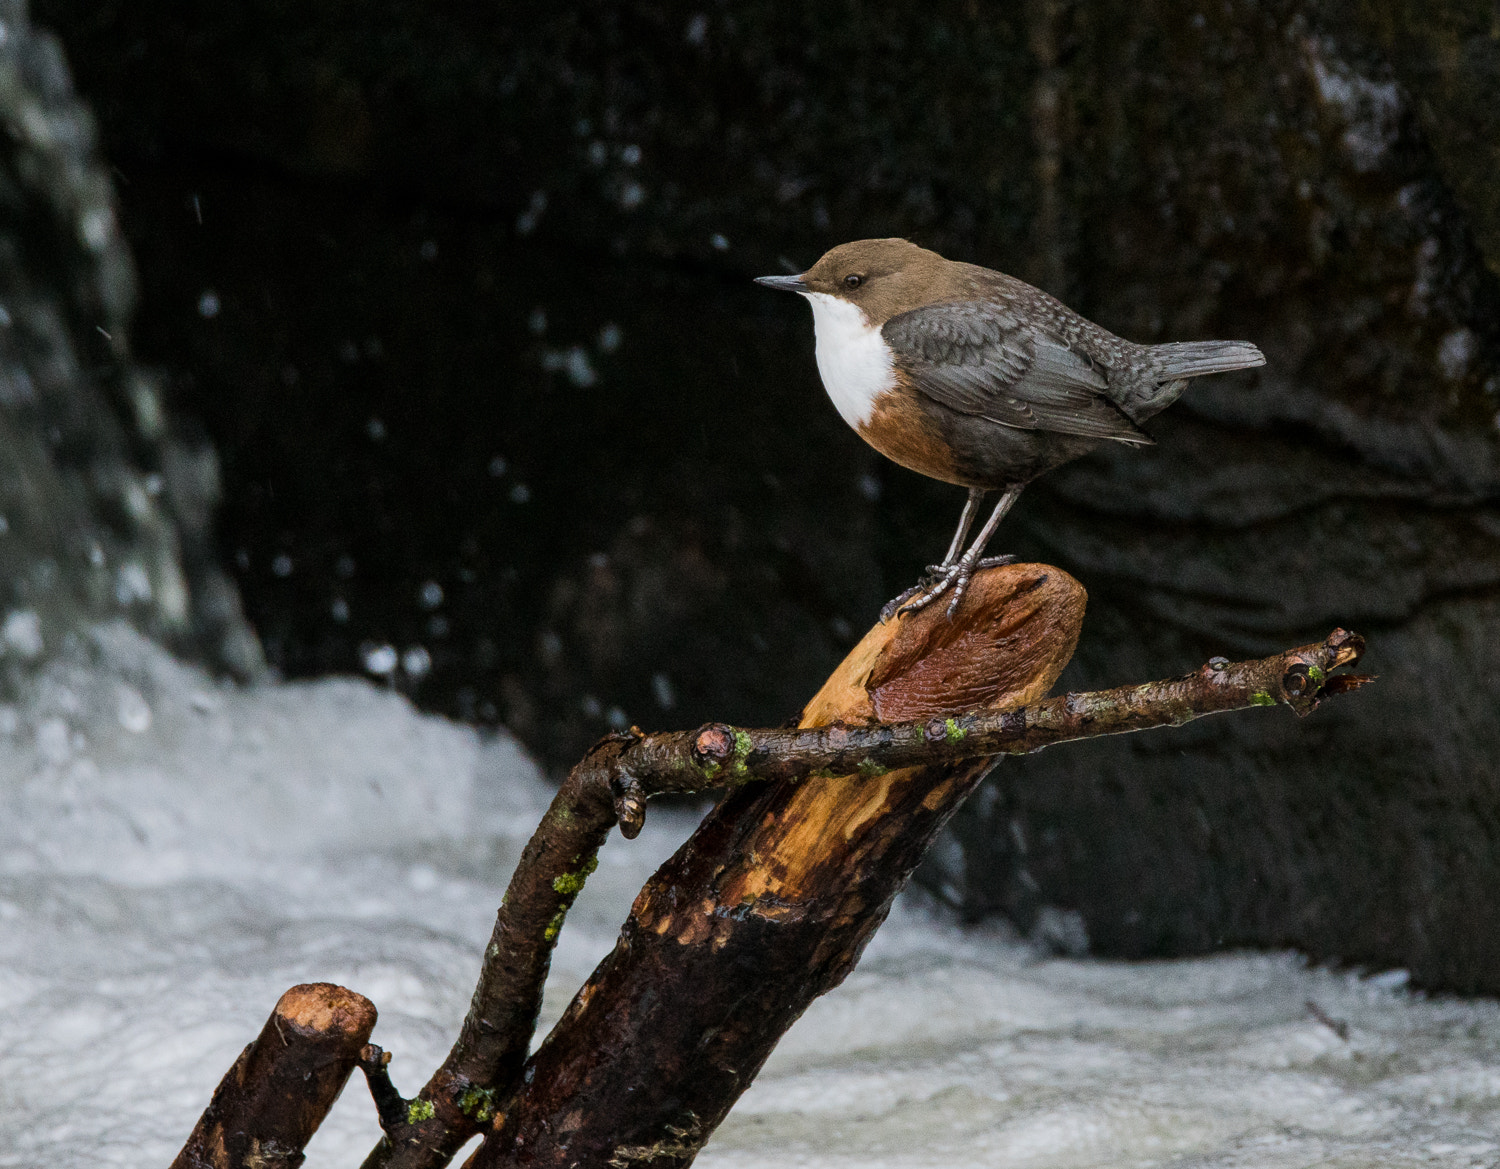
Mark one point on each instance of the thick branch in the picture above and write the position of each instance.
(613, 782)
(279, 1090)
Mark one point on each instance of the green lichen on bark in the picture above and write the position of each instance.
(742, 745)
(478, 1103)
(571, 884)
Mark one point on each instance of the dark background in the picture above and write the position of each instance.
(457, 298)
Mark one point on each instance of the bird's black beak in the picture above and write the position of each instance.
(785, 283)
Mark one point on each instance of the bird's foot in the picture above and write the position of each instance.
(961, 581)
(940, 579)
(893, 606)
(935, 576)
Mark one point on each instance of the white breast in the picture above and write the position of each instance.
(853, 358)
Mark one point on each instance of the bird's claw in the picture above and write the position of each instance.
(936, 577)
(893, 606)
(941, 578)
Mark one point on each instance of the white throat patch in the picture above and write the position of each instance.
(853, 358)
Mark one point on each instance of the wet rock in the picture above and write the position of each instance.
(1447, 56)
(105, 509)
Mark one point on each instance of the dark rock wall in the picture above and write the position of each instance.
(1276, 182)
(460, 294)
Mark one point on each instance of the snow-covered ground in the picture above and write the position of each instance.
(173, 855)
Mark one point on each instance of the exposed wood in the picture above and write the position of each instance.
(268, 1106)
(1024, 626)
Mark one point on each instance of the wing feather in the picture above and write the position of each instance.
(976, 358)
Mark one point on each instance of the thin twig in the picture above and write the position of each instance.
(612, 783)
(1338, 1026)
(390, 1106)
(687, 761)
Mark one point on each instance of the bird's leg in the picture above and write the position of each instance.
(957, 575)
(965, 522)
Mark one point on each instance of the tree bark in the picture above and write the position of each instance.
(273, 1099)
(773, 899)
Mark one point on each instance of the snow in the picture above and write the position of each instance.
(174, 855)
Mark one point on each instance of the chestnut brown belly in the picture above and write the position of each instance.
(924, 436)
(904, 432)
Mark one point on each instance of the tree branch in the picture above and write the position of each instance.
(772, 900)
(612, 783)
(272, 1100)
(687, 761)
(393, 1111)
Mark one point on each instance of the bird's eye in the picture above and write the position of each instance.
(853, 281)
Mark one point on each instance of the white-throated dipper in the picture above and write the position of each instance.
(976, 378)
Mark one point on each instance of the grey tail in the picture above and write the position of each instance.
(1196, 358)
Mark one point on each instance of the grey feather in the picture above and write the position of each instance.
(1196, 358)
(978, 359)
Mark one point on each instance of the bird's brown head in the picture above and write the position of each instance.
(882, 276)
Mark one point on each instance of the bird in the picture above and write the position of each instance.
(976, 378)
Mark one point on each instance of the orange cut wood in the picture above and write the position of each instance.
(1013, 635)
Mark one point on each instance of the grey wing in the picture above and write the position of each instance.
(975, 358)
